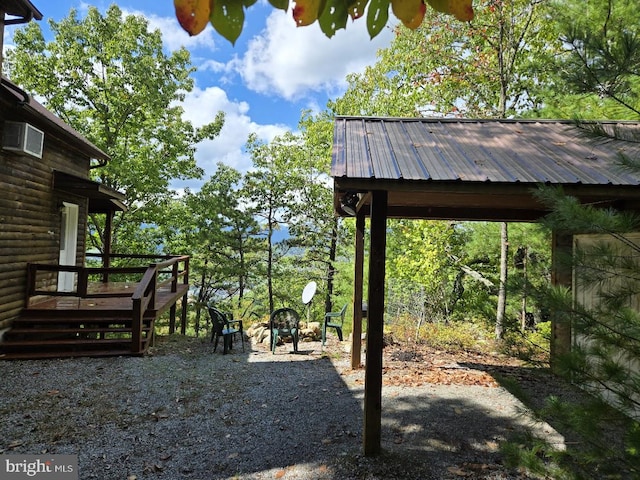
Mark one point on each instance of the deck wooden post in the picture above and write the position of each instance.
(183, 314)
(172, 319)
(185, 299)
(174, 287)
(106, 247)
(356, 336)
(375, 325)
(136, 326)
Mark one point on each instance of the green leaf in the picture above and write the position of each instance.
(334, 17)
(356, 8)
(281, 4)
(227, 18)
(307, 12)
(248, 3)
(377, 16)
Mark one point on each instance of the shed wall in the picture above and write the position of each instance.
(587, 295)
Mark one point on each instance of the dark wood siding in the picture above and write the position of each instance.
(30, 218)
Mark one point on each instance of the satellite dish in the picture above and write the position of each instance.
(308, 292)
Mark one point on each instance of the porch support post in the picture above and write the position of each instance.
(172, 318)
(375, 325)
(561, 275)
(185, 298)
(356, 337)
(1, 37)
(106, 247)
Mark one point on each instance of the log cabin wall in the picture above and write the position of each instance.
(30, 212)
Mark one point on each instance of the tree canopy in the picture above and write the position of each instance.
(601, 62)
(227, 16)
(431, 70)
(109, 78)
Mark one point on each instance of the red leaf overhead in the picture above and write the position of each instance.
(228, 15)
(193, 15)
(306, 12)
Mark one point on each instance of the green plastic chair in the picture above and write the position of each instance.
(333, 320)
(225, 328)
(284, 322)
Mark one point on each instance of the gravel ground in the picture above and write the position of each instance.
(185, 412)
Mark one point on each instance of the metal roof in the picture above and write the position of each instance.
(102, 199)
(478, 169)
(20, 8)
(23, 103)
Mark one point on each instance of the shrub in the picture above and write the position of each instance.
(450, 336)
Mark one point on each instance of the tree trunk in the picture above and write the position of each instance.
(270, 223)
(242, 268)
(523, 313)
(202, 296)
(502, 290)
(504, 80)
(328, 305)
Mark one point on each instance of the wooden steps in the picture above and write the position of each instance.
(82, 331)
(55, 334)
(69, 354)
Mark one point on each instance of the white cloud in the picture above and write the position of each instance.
(173, 35)
(287, 60)
(202, 105)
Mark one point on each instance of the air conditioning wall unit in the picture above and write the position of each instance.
(22, 137)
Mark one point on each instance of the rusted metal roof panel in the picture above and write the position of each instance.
(431, 156)
(20, 8)
(360, 161)
(46, 119)
(383, 152)
(500, 151)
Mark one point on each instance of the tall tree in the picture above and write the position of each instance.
(289, 191)
(422, 276)
(217, 228)
(493, 67)
(320, 227)
(273, 186)
(600, 68)
(602, 56)
(108, 77)
(504, 272)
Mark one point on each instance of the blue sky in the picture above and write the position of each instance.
(263, 83)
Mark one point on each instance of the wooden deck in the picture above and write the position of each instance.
(165, 298)
(99, 318)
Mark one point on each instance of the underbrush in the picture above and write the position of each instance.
(449, 336)
(531, 346)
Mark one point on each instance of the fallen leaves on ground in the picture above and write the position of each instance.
(471, 470)
(418, 375)
(417, 366)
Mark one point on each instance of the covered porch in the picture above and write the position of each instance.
(457, 169)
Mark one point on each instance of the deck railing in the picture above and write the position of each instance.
(144, 296)
(167, 272)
